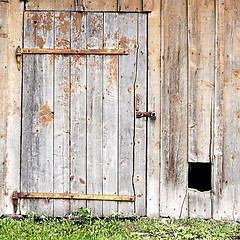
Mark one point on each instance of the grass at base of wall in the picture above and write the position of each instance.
(117, 228)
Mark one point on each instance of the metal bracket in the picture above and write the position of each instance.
(15, 201)
(20, 51)
(150, 114)
(17, 195)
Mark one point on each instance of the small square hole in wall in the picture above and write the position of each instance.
(199, 176)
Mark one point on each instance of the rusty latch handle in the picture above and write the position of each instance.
(150, 114)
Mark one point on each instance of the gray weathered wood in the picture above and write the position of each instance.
(154, 99)
(3, 77)
(94, 110)
(199, 204)
(78, 110)
(201, 40)
(140, 146)
(61, 113)
(127, 78)
(174, 111)
(110, 113)
(217, 172)
(227, 111)
(37, 121)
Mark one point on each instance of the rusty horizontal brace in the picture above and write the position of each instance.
(75, 196)
(21, 51)
(74, 51)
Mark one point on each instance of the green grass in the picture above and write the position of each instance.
(34, 227)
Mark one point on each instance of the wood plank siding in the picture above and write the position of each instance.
(68, 122)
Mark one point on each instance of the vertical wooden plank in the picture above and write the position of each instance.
(148, 5)
(13, 106)
(154, 103)
(61, 112)
(130, 5)
(110, 113)
(201, 39)
(78, 110)
(37, 119)
(65, 5)
(94, 110)
(218, 174)
(174, 166)
(3, 82)
(229, 81)
(140, 146)
(127, 78)
(199, 204)
(103, 5)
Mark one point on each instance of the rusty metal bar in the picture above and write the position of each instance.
(21, 51)
(75, 196)
(137, 102)
(74, 51)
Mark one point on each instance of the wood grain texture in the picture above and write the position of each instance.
(3, 82)
(201, 40)
(110, 113)
(148, 6)
(127, 78)
(153, 135)
(78, 110)
(13, 106)
(61, 113)
(94, 111)
(96, 5)
(227, 109)
(174, 110)
(65, 5)
(140, 141)
(217, 172)
(200, 204)
(37, 121)
(130, 5)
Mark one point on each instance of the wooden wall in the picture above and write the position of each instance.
(193, 77)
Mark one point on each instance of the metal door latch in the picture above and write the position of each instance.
(150, 114)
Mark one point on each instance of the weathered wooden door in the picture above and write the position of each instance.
(79, 130)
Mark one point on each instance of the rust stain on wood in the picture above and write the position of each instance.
(41, 22)
(81, 181)
(3, 35)
(45, 115)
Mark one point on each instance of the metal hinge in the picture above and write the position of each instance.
(150, 114)
(73, 196)
(21, 51)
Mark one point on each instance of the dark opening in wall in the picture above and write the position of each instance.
(199, 176)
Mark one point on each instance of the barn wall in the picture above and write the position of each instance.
(193, 85)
